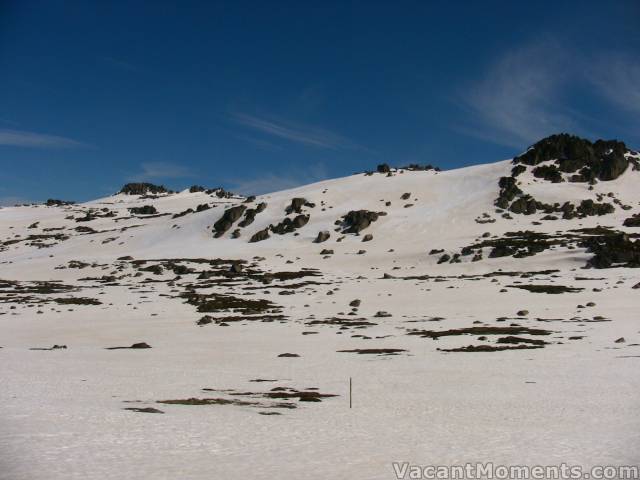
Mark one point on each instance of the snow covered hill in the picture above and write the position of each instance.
(488, 313)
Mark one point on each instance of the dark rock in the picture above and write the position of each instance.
(367, 238)
(444, 258)
(140, 345)
(249, 217)
(142, 189)
(230, 216)
(357, 220)
(326, 252)
(602, 160)
(289, 225)
(236, 268)
(144, 210)
(322, 237)
(613, 250)
(549, 173)
(383, 168)
(405, 196)
(355, 303)
(296, 205)
(52, 202)
(260, 236)
(633, 221)
(620, 340)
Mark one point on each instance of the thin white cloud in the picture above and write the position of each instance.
(518, 100)
(273, 182)
(160, 170)
(617, 77)
(20, 138)
(297, 133)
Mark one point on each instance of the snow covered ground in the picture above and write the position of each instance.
(547, 379)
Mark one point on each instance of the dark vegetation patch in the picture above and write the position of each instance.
(489, 348)
(215, 302)
(143, 409)
(481, 330)
(550, 289)
(499, 273)
(275, 398)
(374, 351)
(77, 301)
(135, 346)
(518, 340)
(43, 240)
(343, 323)
(55, 347)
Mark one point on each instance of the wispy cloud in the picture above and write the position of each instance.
(297, 133)
(617, 77)
(161, 170)
(20, 138)
(273, 181)
(517, 100)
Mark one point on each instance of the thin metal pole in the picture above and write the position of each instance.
(350, 391)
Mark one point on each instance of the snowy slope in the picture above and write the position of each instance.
(544, 381)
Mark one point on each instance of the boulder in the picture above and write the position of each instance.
(322, 237)
(260, 236)
(357, 220)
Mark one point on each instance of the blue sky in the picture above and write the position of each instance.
(260, 96)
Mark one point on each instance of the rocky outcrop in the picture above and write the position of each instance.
(297, 204)
(633, 221)
(602, 160)
(260, 236)
(142, 189)
(249, 217)
(616, 250)
(508, 191)
(549, 173)
(230, 216)
(144, 210)
(52, 202)
(357, 220)
(289, 225)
